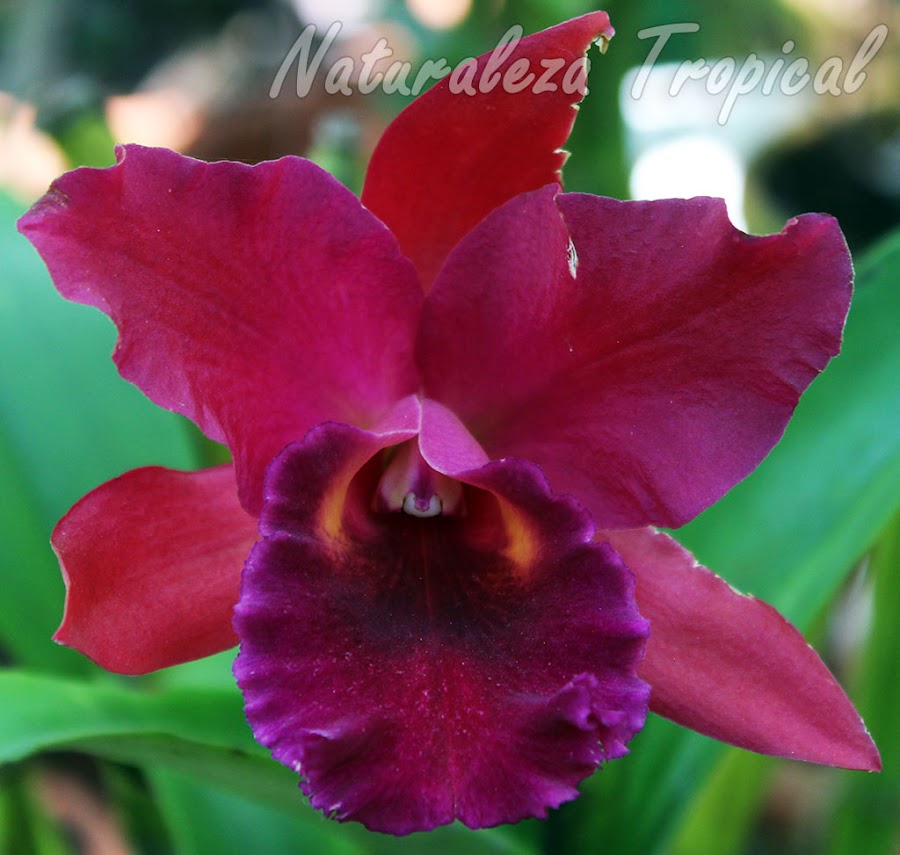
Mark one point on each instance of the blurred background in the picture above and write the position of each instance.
(164, 764)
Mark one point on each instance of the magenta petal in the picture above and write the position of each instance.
(452, 157)
(152, 562)
(258, 301)
(657, 376)
(730, 666)
(416, 671)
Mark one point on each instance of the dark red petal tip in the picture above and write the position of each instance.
(152, 562)
(415, 670)
(494, 139)
(730, 666)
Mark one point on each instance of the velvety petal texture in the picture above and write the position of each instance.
(152, 562)
(647, 355)
(256, 300)
(474, 141)
(473, 666)
(730, 666)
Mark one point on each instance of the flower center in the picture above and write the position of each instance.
(410, 486)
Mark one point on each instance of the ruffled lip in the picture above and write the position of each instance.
(415, 670)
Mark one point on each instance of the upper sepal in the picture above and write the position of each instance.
(468, 145)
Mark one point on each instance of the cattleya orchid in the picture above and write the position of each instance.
(456, 409)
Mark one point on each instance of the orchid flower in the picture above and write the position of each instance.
(457, 410)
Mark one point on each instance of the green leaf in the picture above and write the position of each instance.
(724, 811)
(196, 731)
(868, 821)
(634, 804)
(39, 712)
(69, 422)
(206, 819)
(33, 587)
(240, 769)
(200, 733)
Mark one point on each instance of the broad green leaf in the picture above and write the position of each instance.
(197, 732)
(243, 770)
(868, 820)
(262, 787)
(721, 816)
(791, 532)
(68, 422)
(39, 713)
(632, 804)
(32, 585)
(212, 672)
(206, 819)
(68, 414)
